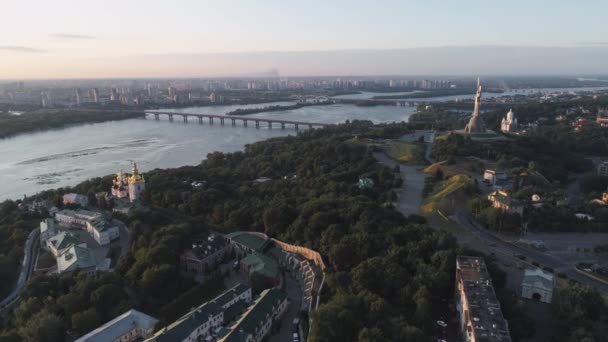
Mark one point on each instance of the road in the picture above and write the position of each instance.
(509, 249)
(294, 293)
(410, 193)
(29, 261)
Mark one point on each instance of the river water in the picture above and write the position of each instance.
(38, 161)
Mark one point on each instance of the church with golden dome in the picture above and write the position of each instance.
(129, 187)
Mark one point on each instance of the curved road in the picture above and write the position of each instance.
(27, 267)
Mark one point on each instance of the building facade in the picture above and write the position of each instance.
(129, 187)
(128, 327)
(494, 176)
(75, 218)
(102, 230)
(538, 285)
(509, 123)
(47, 230)
(478, 308)
(206, 255)
(602, 169)
(137, 184)
(202, 322)
(73, 198)
(500, 199)
(255, 324)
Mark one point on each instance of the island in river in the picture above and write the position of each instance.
(11, 125)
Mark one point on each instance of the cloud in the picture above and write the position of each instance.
(71, 36)
(25, 49)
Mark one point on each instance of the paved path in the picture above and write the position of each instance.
(29, 260)
(293, 310)
(410, 193)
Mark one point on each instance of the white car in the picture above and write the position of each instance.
(442, 324)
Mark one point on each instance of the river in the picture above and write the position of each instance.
(365, 95)
(33, 162)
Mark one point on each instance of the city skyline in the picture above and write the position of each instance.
(69, 39)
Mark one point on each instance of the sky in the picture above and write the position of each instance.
(199, 38)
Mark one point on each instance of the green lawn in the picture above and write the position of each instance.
(408, 153)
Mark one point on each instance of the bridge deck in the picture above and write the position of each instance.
(244, 118)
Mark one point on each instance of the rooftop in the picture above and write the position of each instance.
(79, 212)
(538, 278)
(256, 314)
(119, 326)
(261, 264)
(64, 240)
(101, 224)
(250, 240)
(81, 257)
(214, 243)
(181, 329)
(488, 322)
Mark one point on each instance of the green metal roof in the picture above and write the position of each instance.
(258, 313)
(185, 325)
(101, 224)
(250, 240)
(261, 264)
(82, 257)
(65, 240)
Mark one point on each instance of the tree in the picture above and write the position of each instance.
(43, 327)
(92, 199)
(85, 321)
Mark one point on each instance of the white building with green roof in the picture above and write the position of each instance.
(47, 230)
(102, 230)
(255, 323)
(202, 322)
(77, 258)
(75, 218)
(62, 241)
(128, 327)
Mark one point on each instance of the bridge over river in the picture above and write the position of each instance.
(233, 119)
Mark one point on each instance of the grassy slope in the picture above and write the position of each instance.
(406, 152)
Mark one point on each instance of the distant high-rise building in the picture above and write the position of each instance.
(77, 97)
(171, 91)
(93, 95)
(113, 94)
(125, 99)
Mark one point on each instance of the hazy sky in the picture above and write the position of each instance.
(123, 38)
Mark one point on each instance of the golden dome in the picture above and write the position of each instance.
(135, 177)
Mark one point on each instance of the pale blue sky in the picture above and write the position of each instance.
(68, 38)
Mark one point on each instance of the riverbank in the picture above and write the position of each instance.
(435, 93)
(277, 108)
(12, 125)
